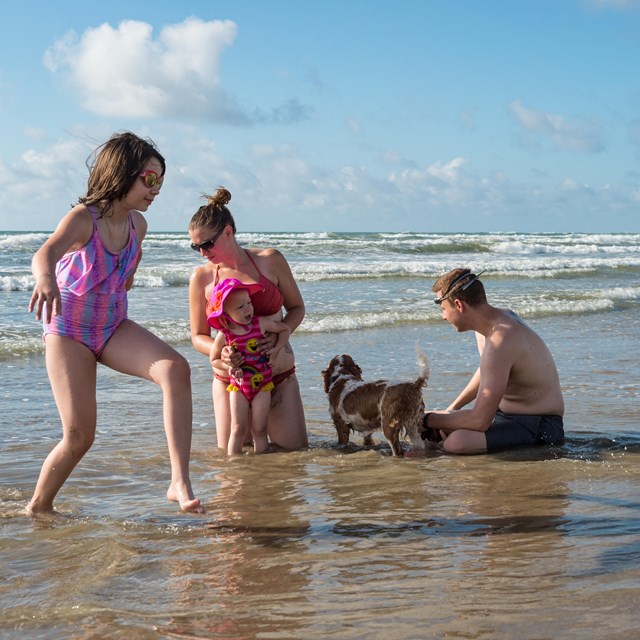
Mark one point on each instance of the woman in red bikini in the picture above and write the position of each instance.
(213, 235)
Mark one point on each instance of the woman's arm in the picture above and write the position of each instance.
(293, 302)
(282, 332)
(199, 328)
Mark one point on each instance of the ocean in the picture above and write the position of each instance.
(334, 542)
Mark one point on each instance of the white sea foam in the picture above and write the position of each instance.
(16, 283)
(361, 281)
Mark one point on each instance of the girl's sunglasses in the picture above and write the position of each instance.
(151, 179)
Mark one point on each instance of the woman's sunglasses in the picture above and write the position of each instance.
(151, 179)
(207, 244)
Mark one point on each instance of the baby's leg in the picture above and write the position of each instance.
(72, 371)
(239, 406)
(222, 412)
(260, 407)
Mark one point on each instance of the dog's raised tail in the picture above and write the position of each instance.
(423, 363)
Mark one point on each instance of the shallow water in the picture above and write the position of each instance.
(331, 542)
(327, 544)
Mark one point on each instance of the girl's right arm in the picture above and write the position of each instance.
(72, 233)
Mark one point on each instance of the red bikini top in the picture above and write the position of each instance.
(267, 301)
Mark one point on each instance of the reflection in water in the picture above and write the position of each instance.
(256, 531)
(325, 544)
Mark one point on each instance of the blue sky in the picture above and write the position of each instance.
(345, 115)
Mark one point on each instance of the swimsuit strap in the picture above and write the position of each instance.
(132, 228)
(94, 215)
(260, 274)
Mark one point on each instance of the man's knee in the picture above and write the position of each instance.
(465, 442)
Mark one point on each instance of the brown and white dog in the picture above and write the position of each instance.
(395, 407)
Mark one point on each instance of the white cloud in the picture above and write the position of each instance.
(432, 178)
(579, 135)
(275, 187)
(125, 72)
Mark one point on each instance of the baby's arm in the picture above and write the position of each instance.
(282, 332)
(215, 352)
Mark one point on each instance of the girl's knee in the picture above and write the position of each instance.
(175, 371)
(80, 441)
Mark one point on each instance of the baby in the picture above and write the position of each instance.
(251, 385)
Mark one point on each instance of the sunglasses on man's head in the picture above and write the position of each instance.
(151, 179)
(449, 292)
(207, 244)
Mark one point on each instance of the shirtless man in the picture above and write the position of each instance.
(518, 400)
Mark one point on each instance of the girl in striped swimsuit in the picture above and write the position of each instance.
(83, 272)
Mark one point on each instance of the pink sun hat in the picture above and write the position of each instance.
(219, 295)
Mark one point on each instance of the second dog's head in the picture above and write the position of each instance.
(340, 367)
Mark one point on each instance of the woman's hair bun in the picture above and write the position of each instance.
(221, 197)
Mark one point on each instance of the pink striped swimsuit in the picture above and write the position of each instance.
(92, 287)
(256, 370)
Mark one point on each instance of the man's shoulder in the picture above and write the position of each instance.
(508, 331)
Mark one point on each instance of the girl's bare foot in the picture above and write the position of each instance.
(183, 495)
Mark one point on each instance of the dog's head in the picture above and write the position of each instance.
(340, 367)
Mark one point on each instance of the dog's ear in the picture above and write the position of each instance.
(351, 366)
(326, 377)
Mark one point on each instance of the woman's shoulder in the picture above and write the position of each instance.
(264, 252)
(267, 257)
(202, 274)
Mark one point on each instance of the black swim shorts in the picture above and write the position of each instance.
(510, 430)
